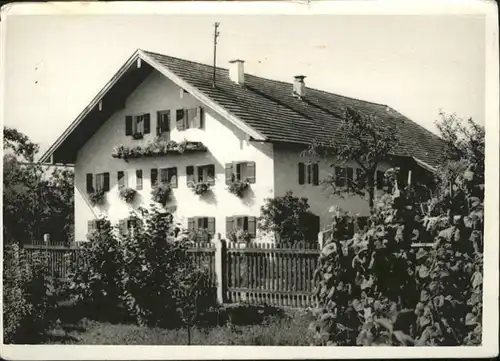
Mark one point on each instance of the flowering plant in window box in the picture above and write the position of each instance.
(238, 187)
(200, 188)
(137, 135)
(127, 194)
(161, 193)
(97, 197)
(157, 147)
(239, 235)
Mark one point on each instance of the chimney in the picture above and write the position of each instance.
(299, 87)
(236, 71)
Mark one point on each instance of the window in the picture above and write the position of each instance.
(309, 173)
(137, 125)
(125, 225)
(122, 179)
(340, 176)
(94, 225)
(241, 222)
(202, 223)
(204, 173)
(169, 176)
(240, 171)
(163, 122)
(100, 183)
(380, 179)
(138, 179)
(189, 118)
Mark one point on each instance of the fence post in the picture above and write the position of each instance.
(321, 240)
(46, 238)
(220, 268)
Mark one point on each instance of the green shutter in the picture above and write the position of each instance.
(90, 183)
(154, 177)
(315, 174)
(191, 224)
(138, 179)
(251, 172)
(229, 225)
(211, 225)
(106, 182)
(121, 178)
(252, 226)
(147, 123)
(301, 173)
(229, 173)
(128, 124)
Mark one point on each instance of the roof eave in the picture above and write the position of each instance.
(139, 54)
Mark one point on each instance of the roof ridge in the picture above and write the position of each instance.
(260, 77)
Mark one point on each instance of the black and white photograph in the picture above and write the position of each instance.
(321, 177)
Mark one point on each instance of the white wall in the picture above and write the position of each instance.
(225, 144)
(319, 197)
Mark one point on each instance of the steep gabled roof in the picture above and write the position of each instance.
(263, 108)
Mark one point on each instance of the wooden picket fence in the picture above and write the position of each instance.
(254, 273)
(262, 273)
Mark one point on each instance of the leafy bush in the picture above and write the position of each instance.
(435, 299)
(238, 188)
(30, 296)
(161, 193)
(239, 235)
(289, 218)
(159, 271)
(96, 280)
(127, 194)
(200, 188)
(97, 197)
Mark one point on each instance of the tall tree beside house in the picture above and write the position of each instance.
(36, 199)
(367, 140)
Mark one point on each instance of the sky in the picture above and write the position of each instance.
(419, 65)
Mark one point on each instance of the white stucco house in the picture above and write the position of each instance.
(245, 127)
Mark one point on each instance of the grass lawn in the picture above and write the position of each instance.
(291, 328)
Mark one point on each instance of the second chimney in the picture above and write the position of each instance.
(299, 87)
(237, 71)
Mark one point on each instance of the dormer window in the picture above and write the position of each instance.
(137, 125)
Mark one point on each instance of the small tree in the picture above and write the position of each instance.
(289, 218)
(367, 140)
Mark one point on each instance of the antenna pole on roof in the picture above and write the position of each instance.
(216, 34)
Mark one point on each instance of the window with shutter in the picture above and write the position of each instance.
(301, 173)
(211, 174)
(172, 177)
(100, 182)
(201, 118)
(90, 183)
(202, 222)
(163, 122)
(90, 226)
(339, 176)
(205, 173)
(138, 179)
(309, 173)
